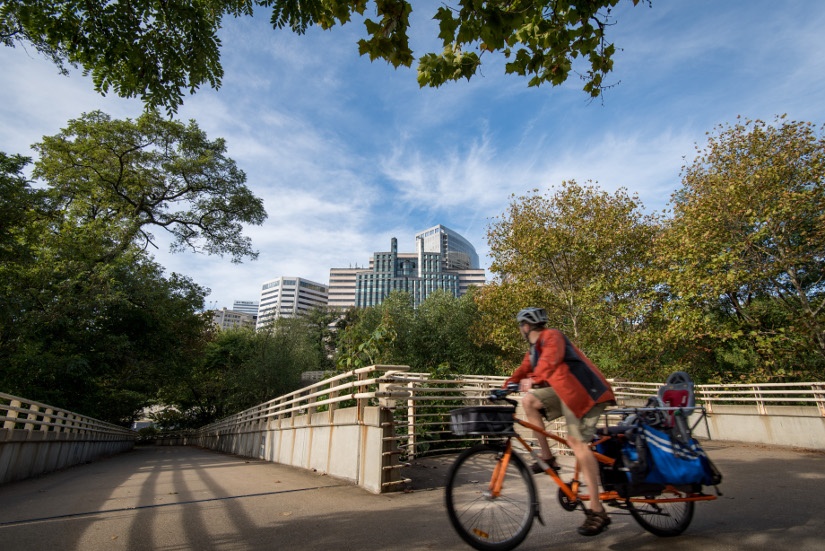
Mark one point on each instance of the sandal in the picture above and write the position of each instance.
(595, 523)
(536, 468)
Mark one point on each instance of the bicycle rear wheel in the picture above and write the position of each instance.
(486, 522)
(662, 519)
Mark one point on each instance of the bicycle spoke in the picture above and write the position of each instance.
(482, 520)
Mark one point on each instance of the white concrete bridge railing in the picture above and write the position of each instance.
(37, 438)
(365, 425)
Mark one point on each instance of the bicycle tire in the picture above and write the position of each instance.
(662, 519)
(490, 523)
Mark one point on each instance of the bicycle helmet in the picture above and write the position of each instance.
(533, 316)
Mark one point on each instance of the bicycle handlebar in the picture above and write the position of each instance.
(501, 393)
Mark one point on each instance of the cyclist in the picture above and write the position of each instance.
(559, 379)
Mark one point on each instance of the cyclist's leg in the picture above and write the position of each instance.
(534, 401)
(579, 433)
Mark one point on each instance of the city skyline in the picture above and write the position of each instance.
(347, 153)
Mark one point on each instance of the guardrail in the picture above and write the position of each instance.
(339, 426)
(366, 425)
(788, 414)
(36, 438)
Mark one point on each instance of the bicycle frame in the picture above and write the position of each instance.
(572, 490)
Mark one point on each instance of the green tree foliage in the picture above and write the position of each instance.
(439, 336)
(96, 338)
(141, 48)
(241, 368)
(19, 207)
(745, 250)
(120, 179)
(88, 320)
(159, 50)
(584, 255)
(540, 39)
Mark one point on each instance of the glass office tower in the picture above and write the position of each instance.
(443, 260)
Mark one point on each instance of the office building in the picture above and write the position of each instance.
(232, 319)
(246, 306)
(287, 297)
(455, 251)
(342, 287)
(443, 260)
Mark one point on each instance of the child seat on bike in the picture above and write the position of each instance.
(677, 392)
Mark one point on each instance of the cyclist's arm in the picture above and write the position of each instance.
(522, 372)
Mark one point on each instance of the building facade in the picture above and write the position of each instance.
(287, 297)
(246, 306)
(443, 260)
(455, 251)
(342, 287)
(232, 319)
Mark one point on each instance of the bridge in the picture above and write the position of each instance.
(371, 431)
(187, 498)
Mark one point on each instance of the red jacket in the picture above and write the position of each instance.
(578, 382)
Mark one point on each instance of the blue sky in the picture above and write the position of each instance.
(347, 153)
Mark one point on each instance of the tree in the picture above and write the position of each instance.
(19, 204)
(157, 50)
(96, 338)
(119, 179)
(745, 249)
(88, 320)
(438, 336)
(582, 254)
(444, 337)
(142, 48)
(239, 369)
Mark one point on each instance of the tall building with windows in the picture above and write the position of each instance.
(246, 306)
(443, 260)
(342, 287)
(456, 252)
(287, 297)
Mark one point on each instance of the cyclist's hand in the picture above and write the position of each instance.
(498, 394)
(525, 385)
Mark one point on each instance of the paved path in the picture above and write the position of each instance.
(176, 498)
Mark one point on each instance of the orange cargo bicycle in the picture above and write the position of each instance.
(491, 497)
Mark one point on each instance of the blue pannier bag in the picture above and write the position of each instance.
(656, 458)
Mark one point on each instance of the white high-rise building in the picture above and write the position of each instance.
(456, 252)
(342, 287)
(287, 297)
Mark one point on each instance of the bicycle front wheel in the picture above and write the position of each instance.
(663, 519)
(490, 522)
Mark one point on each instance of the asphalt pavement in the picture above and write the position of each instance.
(183, 498)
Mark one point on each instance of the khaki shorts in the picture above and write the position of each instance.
(581, 429)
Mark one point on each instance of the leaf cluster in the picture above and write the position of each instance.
(158, 51)
(122, 178)
(439, 334)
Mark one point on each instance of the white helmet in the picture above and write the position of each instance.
(533, 316)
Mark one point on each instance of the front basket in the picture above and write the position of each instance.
(479, 420)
